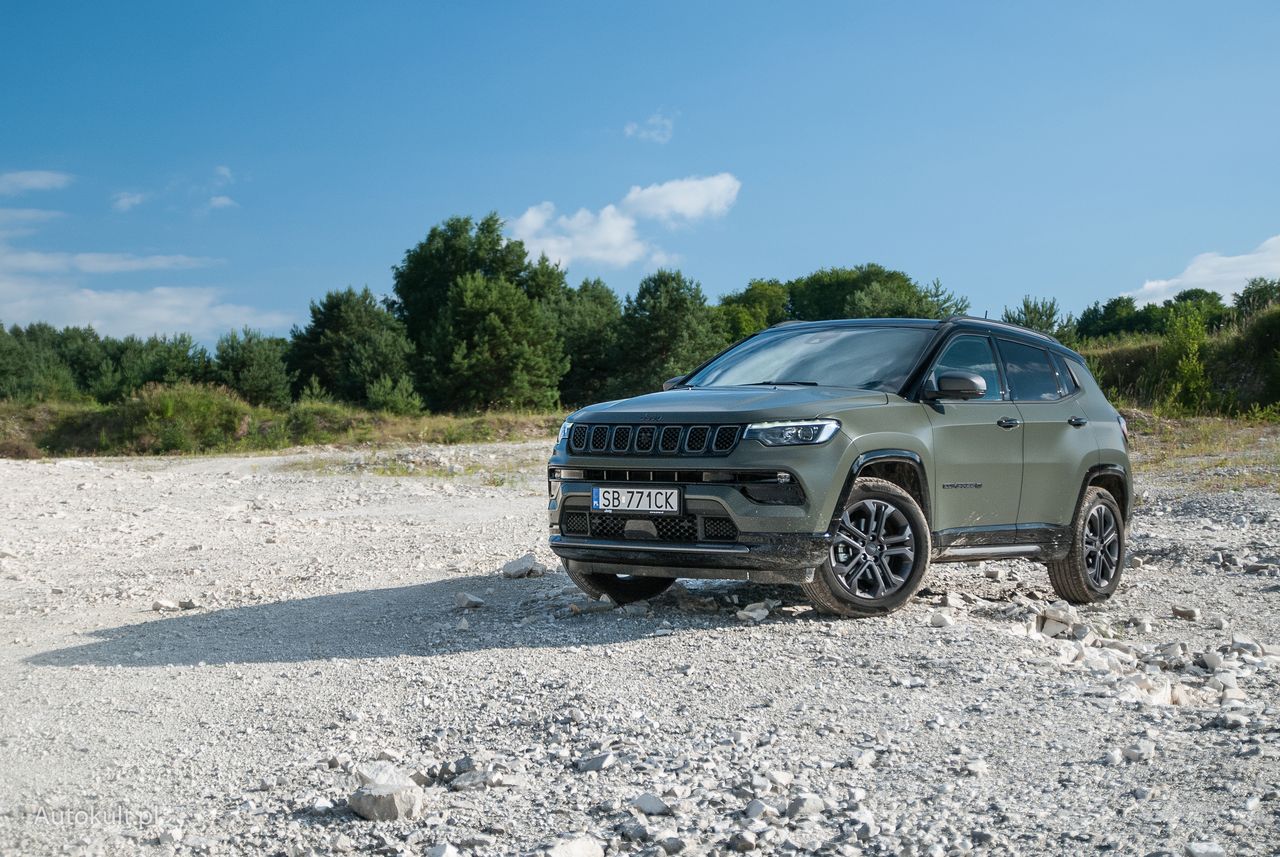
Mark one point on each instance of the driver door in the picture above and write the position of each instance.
(977, 443)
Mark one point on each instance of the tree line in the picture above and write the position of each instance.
(473, 323)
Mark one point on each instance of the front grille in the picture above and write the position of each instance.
(719, 529)
(575, 524)
(670, 439)
(607, 439)
(726, 439)
(664, 528)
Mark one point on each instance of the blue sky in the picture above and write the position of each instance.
(201, 166)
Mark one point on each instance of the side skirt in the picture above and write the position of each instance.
(1043, 542)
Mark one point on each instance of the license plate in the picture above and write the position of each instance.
(648, 501)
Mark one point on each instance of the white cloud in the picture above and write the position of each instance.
(38, 262)
(200, 311)
(221, 201)
(125, 200)
(25, 180)
(611, 236)
(691, 198)
(1225, 275)
(222, 175)
(608, 237)
(20, 221)
(656, 129)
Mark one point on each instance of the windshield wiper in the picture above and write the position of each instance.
(779, 383)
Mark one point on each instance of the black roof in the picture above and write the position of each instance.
(962, 321)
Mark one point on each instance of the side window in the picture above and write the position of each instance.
(971, 354)
(1031, 375)
(1068, 378)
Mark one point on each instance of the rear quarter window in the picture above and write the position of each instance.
(1030, 372)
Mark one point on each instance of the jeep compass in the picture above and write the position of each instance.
(845, 456)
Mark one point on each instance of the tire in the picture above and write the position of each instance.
(621, 588)
(878, 560)
(1091, 571)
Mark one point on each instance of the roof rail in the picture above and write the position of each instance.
(1004, 325)
(789, 321)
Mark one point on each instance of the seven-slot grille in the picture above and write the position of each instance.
(601, 439)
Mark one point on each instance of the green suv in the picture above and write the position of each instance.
(845, 456)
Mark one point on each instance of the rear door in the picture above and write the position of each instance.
(977, 461)
(1058, 445)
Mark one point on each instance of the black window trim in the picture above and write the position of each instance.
(1006, 395)
(1063, 390)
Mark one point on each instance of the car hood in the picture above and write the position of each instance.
(730, 404)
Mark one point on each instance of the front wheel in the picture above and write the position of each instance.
(621, 588)
(879, 553)
(1091, 571)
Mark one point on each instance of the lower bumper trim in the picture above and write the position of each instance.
(660, 547)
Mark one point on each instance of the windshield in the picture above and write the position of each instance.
(868, 358)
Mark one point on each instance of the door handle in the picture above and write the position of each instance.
(1008, 423)
(1077, 421)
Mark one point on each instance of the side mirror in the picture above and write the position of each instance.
(957, 385)
(671, 382)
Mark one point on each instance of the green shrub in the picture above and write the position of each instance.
(394, 397)
(315, 421)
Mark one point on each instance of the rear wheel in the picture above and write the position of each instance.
(621, 588)
(878, 555)
(1091, 571)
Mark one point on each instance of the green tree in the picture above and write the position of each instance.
(588, 319)
(1187, 388)
(506, 352)
(350, 342)
(1042, 314)
(1258, 294)
(667, 329)
(424, 278)
(394, 396)
(763, 303)
(254, 366)
(870, 291)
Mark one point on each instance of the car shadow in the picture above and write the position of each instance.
(419, 620)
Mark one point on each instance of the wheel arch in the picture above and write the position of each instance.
(1115, 480)
(902, 467)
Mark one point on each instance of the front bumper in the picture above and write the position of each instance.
(765, 557)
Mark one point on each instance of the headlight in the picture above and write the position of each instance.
(565, 428)
(793, 432)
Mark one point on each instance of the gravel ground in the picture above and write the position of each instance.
(211, 655)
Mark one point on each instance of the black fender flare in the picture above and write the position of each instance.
(1126, 502)
(879, 456)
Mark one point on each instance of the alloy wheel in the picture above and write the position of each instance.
(1101, 546)
(874, 549)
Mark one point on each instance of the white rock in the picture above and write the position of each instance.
(941, 619)
(650, 804)
(162, 605)
(443, 849)
(467, 601)
(525, 566)
(381, 773)
(1191, 614)
(583, 846)
(806, 805)
(1204, 849)
(386, 801)
(1142, 751)
(597, 763)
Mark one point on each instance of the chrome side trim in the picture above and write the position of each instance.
(644, 545)
(987, 550)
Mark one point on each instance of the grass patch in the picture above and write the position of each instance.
(197, 418)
